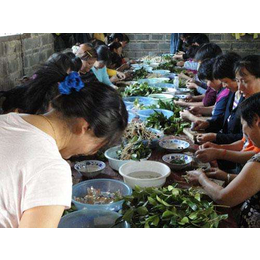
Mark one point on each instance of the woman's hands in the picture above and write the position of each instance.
(191, 85)
(209, 145)
(120, 75)
(189, 98)
(181, 103)
(180, 63)
(194, 176)
(195, 110)
(177, 56)
(200, 125)
(209, 154)
(186, 115)
(203, 138)
(216, 173)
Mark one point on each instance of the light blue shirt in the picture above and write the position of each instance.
(102, 76)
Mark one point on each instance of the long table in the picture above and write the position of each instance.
(175, 177)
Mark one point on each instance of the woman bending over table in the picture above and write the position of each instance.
(35, 179)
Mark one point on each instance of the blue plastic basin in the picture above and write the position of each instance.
(80, 190)
(91, 219)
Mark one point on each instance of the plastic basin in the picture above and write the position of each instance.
(81, 189)
(91, 219)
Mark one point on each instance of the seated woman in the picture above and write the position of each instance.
(100, 67)
(244, 187)
(35, 179)
(116, 57)
(204, 105)
(248, 80)
(226, 128)
(206, 73)
(206, 51)
(190, 63)
(88, 56)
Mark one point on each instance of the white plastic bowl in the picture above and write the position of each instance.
(114, 163)
(146, 166)
(161, 96)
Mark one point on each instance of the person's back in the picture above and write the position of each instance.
(29, 159)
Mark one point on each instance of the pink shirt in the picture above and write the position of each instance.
(32, 171)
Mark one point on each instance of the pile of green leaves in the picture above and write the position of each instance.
(143, 90)
(140, 74)
(168, 58)
(169, 65)
(138, 150)
(167, 105)
(182, 83)
(169, 207)
(172, 125)
(170, 106)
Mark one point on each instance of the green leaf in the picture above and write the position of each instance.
(170, 188)
(197, 196)
(173, 221)
(142, 211)
(175, 192)
(162, 201)
(156, 221)
(152, 201)
(184, 221)
(128, 215)
(193, 215)
(146, 225)
(167, 214)
(192, 205)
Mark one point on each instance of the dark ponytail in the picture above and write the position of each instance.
(100, 105)
(44, 85)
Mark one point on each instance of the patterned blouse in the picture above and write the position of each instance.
(250, 210)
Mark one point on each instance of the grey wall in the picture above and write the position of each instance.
(20, 55)
(143, 43)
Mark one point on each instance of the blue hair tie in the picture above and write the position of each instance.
(72, 81)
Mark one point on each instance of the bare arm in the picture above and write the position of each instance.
(206, 111)
(42, 217)
(244, 186)
(211, 154)
(198, 98)
(236, 156)
(236, 146)
(189, 116)
(188, 104)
